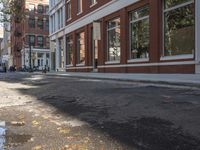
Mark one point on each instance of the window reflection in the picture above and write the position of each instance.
(179, 27)
(81, 48)
(113, 32)
(69, 50)
(139, 32)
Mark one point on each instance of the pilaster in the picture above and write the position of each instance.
(197, 35)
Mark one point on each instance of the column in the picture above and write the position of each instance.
(57, 53)
(155, 17)
(44, 59)
(64, 15)
(197, 39)
(36, 59)
(124, 33)
(64, 50)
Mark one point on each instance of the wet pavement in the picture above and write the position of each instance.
(2, 134)
(39, 112)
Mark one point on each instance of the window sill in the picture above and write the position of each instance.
(69, 19)
(79, 13)
(79, 65)
(93, 5)
(69, 65)
(112, 62)
(138, 60)
(177, 57)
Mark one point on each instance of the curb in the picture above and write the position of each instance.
(172, 83)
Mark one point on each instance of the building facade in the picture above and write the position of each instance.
(6, 53)
(30, 37)
(57, 42)
(137, 36)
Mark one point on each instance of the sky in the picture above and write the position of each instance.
(1, 27)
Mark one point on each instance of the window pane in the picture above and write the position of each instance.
(179, 31)
(31, 23)
(81, 48)
(31, 7)
(40, 41)
(40, 23)
(32, 40)
(69, 50)
(40, 9)
(114, 23)
(139, 32)
(47, 24)
(172, 3)
(139, 13)
(114, 40)
(47, 9)
(68, 10)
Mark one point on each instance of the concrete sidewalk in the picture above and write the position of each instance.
(174, 79)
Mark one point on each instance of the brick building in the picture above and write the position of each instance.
(137, 36)
(32, 31)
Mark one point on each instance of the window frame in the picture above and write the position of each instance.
(173, 57)
(47, 23)
(130, 38)
(38, 25)
(69, 41)
(79, 7)
(29, 22)
(42, 43)
(29, 40)
(68, 9)
(93, 3)
(78, 52)
(40, 11)
(108, 61)
(47, 8)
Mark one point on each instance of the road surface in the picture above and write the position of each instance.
(39, 112)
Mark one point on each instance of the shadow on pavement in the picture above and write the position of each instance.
(126, 113)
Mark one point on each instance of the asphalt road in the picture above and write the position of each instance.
(47, 112)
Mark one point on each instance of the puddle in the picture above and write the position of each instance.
(2, 134)
(16, 139)
(8, 139)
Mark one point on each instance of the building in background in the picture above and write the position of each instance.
(30, 37)
(57, 34)
(1, 43)
(7, 58)
(1, 50)
(137, 36)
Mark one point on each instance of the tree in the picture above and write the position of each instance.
(11, 9)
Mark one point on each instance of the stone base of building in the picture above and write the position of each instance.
(184, 69)
(197, 69)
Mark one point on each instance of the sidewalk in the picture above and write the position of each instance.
(173, 79)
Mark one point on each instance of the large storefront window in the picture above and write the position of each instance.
(69, 50)
(81, 48)
(113, 31)
(139, 33)
(179, 27)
